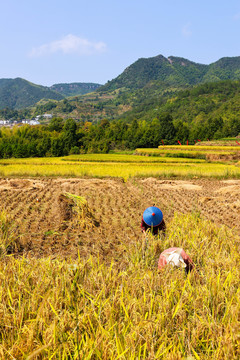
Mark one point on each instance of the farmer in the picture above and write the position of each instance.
(153, 220)
(175, 257)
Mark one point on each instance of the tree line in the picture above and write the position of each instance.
(60, 138)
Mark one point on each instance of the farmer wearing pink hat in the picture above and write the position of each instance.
(175, 257)
(153, 220)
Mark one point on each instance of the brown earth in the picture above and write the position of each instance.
(46, 224)
(223, 157)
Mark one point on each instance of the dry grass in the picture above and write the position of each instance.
(124, 308)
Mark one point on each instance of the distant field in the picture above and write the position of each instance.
(197, 152)
(107, 158)
(122, 170)
(121, 165)
(198, 148)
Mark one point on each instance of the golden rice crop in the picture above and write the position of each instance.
(7, 239)
(123, 165)
(124, 308)
(123, 158)
(118, 169)
(199, 147)
(111, 158)
(193, 150)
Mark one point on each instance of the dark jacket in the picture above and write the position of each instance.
(154, 229)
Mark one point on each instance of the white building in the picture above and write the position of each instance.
(34, 122)
(30, 122)
(4, 122)
(45, 116)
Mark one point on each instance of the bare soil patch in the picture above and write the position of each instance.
(46, 225)
(223, 157)
(233, 190)
(16, 184)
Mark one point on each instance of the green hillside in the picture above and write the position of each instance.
(201, 104)
(19, 93)
(175, 71)
(172, 70)
(227, 68)
(207, 112)
(186, 90)
(211, 108)
(219, 98)
(76, 88)
(151, 77)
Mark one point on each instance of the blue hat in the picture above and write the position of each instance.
(152, 216)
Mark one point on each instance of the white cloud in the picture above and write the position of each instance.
(186, 31)
(69, 44)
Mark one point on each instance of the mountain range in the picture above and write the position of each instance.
(159, 74)
(174, 71)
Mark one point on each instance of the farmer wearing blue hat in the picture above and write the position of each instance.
(153, 219)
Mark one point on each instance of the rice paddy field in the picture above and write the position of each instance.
(165, 163)
(219, 153)
(79, 280)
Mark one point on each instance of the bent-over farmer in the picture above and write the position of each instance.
(176, 257)
(153, 220)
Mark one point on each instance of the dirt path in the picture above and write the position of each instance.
(36, 210)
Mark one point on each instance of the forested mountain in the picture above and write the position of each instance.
(19, 93)
(146, 89)
(227, 68)
(174, 71)
(74, 88)
(159, 75)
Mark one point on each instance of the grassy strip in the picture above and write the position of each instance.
(125, 308)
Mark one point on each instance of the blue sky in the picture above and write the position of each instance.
(54, 41)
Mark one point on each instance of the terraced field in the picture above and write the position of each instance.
(40, 221)
(91, 289)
